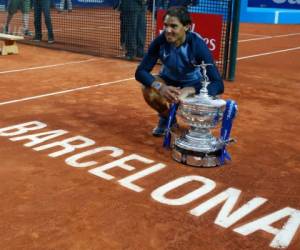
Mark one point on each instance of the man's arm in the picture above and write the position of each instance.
(144, 76)
(143, 71)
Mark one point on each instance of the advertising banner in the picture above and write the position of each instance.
(209, 26)
(281, 4)
(91, 3)
(3, 4)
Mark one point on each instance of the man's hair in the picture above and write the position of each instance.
(181, 13)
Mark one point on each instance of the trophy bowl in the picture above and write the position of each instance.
(201, 112)
(196, 146)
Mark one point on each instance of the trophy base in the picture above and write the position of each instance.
(196, 159)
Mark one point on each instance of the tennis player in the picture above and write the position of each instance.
(181, 52)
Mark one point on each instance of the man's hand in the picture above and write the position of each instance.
(170, 93)
(185, 92)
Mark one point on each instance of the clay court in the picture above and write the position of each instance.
(54, 199)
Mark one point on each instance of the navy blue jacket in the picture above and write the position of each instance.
(180, 65)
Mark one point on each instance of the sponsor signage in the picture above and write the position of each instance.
(286, 4)
(209, 26)
(3, 4)
(91, 3)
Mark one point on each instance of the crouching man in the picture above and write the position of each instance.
(180, 52)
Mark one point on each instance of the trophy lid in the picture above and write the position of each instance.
(203, 99)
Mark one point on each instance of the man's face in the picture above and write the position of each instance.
(174, 30)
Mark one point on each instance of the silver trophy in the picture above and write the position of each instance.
(197, 146)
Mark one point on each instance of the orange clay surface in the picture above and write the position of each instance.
(47, 204)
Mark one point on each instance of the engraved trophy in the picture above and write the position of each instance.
(197, 146)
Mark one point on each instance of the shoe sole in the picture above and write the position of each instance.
(158, 134)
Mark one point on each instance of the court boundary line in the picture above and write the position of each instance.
(122, 80)
(47, 66)
(65, 91)
(242, 33)
(268, 53)
(94, 59)
(268, 37)
(68, 29)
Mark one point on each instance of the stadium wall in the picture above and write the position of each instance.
(270, 11)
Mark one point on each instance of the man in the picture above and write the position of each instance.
(181, 52)
(117, 6)
(42, 6)
(12, 8)
(65, 4)
(133, 21)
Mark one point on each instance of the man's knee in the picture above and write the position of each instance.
(155, 100)
(151, 95)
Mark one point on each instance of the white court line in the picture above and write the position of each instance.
(292, 34)
(47, 66)
(255, 39)
(252, 34)
(118, 81)
(93, 28)
(64, 91)
(267, 53)
(268, 37)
